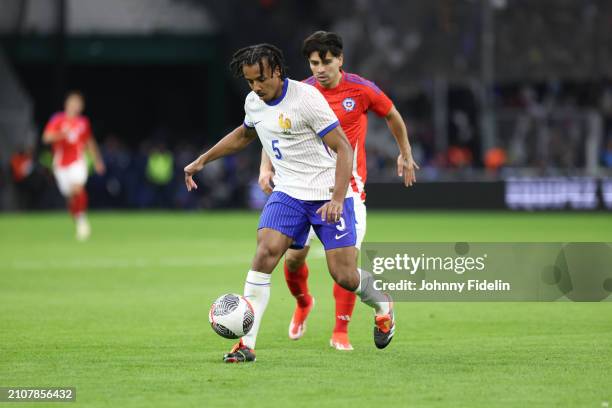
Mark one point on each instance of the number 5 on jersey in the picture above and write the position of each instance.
(277, 152)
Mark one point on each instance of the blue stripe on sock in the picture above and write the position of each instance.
(258, 284)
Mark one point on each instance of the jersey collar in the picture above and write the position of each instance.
(282, 96)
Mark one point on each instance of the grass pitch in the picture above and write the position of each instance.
(123, 318)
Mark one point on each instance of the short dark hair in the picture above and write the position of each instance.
(255, 54)
(321, 42)
(75, 92)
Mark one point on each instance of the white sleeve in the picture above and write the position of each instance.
(248, 122)
(317, 113)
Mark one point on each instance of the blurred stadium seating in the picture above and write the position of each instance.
(549, 104)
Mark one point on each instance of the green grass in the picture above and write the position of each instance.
(123, 318)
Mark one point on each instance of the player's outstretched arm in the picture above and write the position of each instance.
(266, 173)
(233, 142)
(94, 151)
(337, 141)
(52, 137)
(406, 167)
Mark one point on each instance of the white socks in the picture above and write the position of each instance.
(371, 296)
(83, 230)
(257, 292)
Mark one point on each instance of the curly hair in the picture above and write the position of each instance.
(255, 54)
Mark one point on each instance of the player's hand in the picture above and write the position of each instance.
(99, 167)
(191, 185)
(406, 168)
(190, 170)
(265, 181)
(331, 211)
(61, 135)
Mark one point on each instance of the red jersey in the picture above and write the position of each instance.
(69, 149)
(351, 100)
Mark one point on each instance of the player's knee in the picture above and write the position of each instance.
(345, 275)
(266, 250)
(348, 281)
(294, 261)
(76, 190)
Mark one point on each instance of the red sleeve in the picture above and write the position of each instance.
(54, 123)
(379, 103)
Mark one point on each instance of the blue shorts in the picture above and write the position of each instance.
(293, 217)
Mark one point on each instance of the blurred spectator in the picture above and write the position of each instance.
(459, 157)
(495, 158)
(111, 190)
(160, 172)
(22, 164)
(607, 155)
(22, 172)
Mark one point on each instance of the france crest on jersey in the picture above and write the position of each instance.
(291, 129)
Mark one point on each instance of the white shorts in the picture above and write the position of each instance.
(360, 223)
(70, 176)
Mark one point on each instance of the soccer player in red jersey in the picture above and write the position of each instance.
(350, 97)
(69, 134)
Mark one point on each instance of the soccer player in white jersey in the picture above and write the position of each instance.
(313, 162)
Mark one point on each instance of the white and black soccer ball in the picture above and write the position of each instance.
(231, 316)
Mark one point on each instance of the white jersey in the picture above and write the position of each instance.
(291, 129)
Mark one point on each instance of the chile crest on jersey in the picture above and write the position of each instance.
(348, 104)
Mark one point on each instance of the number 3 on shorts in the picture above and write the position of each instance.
(277, 152)
(342, 225)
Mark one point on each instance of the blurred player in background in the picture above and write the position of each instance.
(313, 160)
(69, 134)
(351, 98)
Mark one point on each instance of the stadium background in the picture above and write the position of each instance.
(509, 101)
(508, 105)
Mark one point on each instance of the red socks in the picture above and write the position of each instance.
(78, 203)
(297, 281)
(298, 284)
(345, 303)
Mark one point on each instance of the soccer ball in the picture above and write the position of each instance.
(231, 316)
